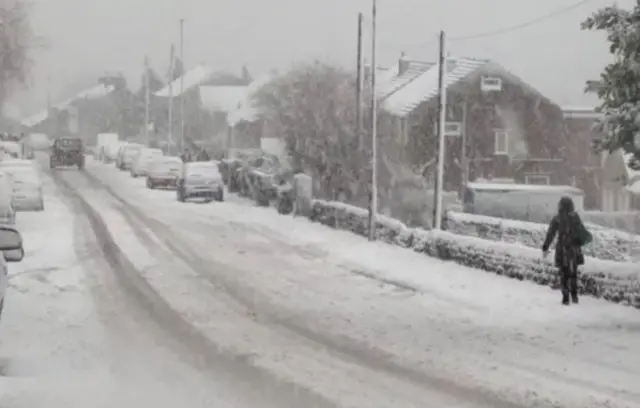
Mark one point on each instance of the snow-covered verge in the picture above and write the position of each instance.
(607, 244)
(614, 281)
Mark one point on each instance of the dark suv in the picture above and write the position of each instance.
(67, 151)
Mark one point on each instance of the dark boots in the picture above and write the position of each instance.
(569, 284)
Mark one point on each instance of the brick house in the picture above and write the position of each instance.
(497, 127)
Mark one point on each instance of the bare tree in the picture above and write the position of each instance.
(313, 106)
(16, 42)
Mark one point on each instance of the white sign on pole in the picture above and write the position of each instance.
(453, 129)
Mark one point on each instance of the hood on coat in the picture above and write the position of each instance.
(565, 205)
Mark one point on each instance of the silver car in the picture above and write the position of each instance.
(200, 180)
(27, 188)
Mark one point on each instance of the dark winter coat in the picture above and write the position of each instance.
(566, 225)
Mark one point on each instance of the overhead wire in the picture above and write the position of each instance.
(507, 29)
(522, 25)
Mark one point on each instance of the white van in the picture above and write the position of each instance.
(524, 202)
(7, 212)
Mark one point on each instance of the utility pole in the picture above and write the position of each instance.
(359, 86)
(182, 144)
(373, 206)
(170, 81)
(442, 119)
(463, 149)
(146, 99)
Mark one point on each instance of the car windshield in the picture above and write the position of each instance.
(15, 163)
(131, 151)
(167, 165)
(203, 170)
(70, 143)
(22, 175)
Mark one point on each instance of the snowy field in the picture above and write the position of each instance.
(402, 318)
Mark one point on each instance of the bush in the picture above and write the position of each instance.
(614, 281)
(606, 245)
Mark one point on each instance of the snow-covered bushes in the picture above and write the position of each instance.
(614, 281)
(606, 245)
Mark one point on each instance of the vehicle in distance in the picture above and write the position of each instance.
(67, 151)
(200, 180)
(146, 157)
(164, 172)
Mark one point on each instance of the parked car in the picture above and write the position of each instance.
(164, 172)
(12, 251)
(7, 212)
(27, 187)
(110, 150)
(12, 150)
(146, 157)
(200, 180)
(127, 154)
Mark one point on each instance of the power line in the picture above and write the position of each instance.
(521, 25)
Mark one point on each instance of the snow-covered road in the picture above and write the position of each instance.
(255, 309)
(74, 335)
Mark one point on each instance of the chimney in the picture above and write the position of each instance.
(403, 64)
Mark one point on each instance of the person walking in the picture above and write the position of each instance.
(572, 235)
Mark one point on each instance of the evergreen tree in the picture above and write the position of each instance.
(619, 85)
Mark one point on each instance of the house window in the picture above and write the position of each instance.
(491, 84)
(537, 179)
(501, 142)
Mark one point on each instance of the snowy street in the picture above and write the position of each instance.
(128, 297)
(74, 335)
(384, 315)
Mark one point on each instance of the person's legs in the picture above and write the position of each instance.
(564, 283)
(573, 283)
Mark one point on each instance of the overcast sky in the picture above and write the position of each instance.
(88, 37)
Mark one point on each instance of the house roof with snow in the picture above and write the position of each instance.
(221, 98)
(423, 86)
(192, 78)
(95, 92)
(394, 80)
(246, 109)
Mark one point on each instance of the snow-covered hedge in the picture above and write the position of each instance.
(607, 244)
(615, 281)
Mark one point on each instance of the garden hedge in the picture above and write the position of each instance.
(607, 244)
(614, 281)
